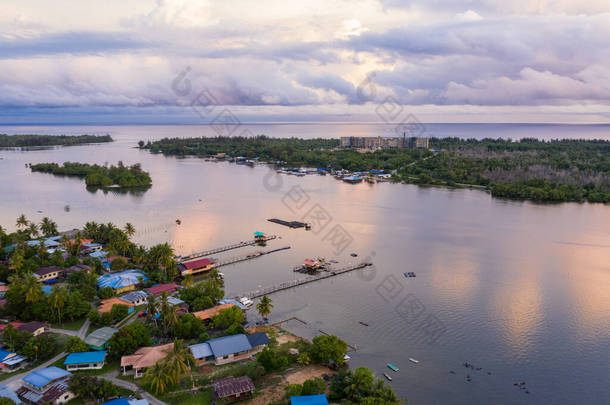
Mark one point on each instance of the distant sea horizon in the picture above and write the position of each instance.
(135, 132)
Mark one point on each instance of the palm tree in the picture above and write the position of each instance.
(92, 230)
(158, 377)
(162, 255)
(16, 261)
(152, 308)
(58, 298)
(178, 361)
(264, 306)
(216, 278)
(33, 230)
(22, 221)
(188, 281)
(129, 229)
(48, 227)
(33, 290)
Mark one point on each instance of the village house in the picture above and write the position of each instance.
(143, 358)
(85, 361)
(48, 273)
(136, 298)
(158, 289)
(34, 327)
(46, 386)
(123, 281)
(6, 392)
(196, 266)
(228, 349)
(207, 314)
(107, 304)
(233, 389)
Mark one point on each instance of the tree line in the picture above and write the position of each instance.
(99, 176)
(12, 141)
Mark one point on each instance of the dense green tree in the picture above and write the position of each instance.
(90, 387)
(74, 344)
(327, 348)
(227, 317)
(128, 340)
(41, 347)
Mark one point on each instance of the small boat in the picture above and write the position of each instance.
(387, 376)
(363, 323)
(413, 360)
(246, 301)
(392, 367)
(353, 255)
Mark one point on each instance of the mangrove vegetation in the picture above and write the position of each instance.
(99, 176)
(24, 141)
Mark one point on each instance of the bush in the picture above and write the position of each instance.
(105, 292)
(76, 345)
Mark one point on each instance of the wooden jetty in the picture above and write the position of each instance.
(249, 256)
(304, 280)
(224, 248)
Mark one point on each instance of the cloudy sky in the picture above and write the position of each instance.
(443, 60)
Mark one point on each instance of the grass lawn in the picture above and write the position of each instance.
(73, 325)
(186, 398)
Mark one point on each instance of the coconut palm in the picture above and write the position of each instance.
(33, 290)
(264, 306)
(162, 256)
(129, 229)
(216, 278)
(188, 281)
(178, 361)
(48, 227)
(16, 261)
(158, 377)
(152, 308)
(92, 230)
(33, 230)
(58, 299)
(22, 221)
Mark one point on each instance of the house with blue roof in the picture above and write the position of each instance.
(127, 401)
(309, 400)
(46, 386)
(123, 281)
(228, 349)
(85, 361)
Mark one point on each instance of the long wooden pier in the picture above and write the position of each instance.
(223, 248)
(249, 256)
(304, 280)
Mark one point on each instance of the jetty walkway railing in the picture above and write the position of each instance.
(224, 248)
(303, 280)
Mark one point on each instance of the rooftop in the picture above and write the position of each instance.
(225, 345)
(146, 356)
(201, 350)
(99, 337)
(107, 304)
(258, 339)
(48, 270)
(85, 357)
(233, 385)
(197, 264)
(309, 400)
(121, 279)
(6, 392)
(134, 296)
(42, 377)
(160, 288)
(210, 312)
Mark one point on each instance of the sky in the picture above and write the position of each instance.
(168, 61)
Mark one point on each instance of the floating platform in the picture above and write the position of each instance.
(290, 224)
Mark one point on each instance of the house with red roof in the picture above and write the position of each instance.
(196, 266)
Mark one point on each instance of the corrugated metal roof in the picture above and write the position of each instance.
(197, 264)
(233, 385)
(14, 360)
(134, 296)
(85, 357)
(309, 400)
(201, 350)
(258, 338)
(122, 279)
(99, 337)
(159, 288)
(5, 353)
(42, 377)
(225, 345)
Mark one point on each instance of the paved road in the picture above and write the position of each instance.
(14, 382)
(81, 333)
(133, 387)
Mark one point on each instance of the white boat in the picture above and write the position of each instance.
(413, 360)
(246, 301)
(387, 376)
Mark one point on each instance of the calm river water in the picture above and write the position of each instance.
(520, 290)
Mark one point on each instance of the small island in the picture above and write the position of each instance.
(24, 141)
(554, 170)
(119, 176)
